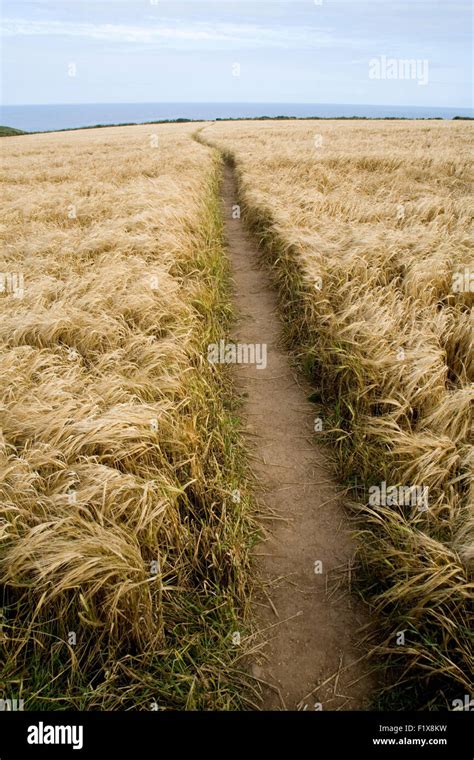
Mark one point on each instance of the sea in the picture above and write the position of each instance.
(51, 117)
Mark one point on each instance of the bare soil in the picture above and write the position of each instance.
(307, 613)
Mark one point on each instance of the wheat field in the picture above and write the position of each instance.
(124, 510)
(368, 230)
(126, 497)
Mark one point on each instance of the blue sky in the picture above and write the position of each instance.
(186, 50)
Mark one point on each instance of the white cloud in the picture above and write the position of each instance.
(246, 35)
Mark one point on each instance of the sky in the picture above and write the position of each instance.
(293, 51)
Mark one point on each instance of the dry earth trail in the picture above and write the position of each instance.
(306, 610)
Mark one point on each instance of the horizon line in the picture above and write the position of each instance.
(235, 102)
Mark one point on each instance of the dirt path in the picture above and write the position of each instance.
(318, 639)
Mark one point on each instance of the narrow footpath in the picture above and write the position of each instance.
(310, 619)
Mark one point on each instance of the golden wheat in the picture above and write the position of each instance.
(121, 577)
(368, 228)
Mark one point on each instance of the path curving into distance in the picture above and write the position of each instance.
(306, 612)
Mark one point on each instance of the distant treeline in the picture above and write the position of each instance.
(10, 131)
